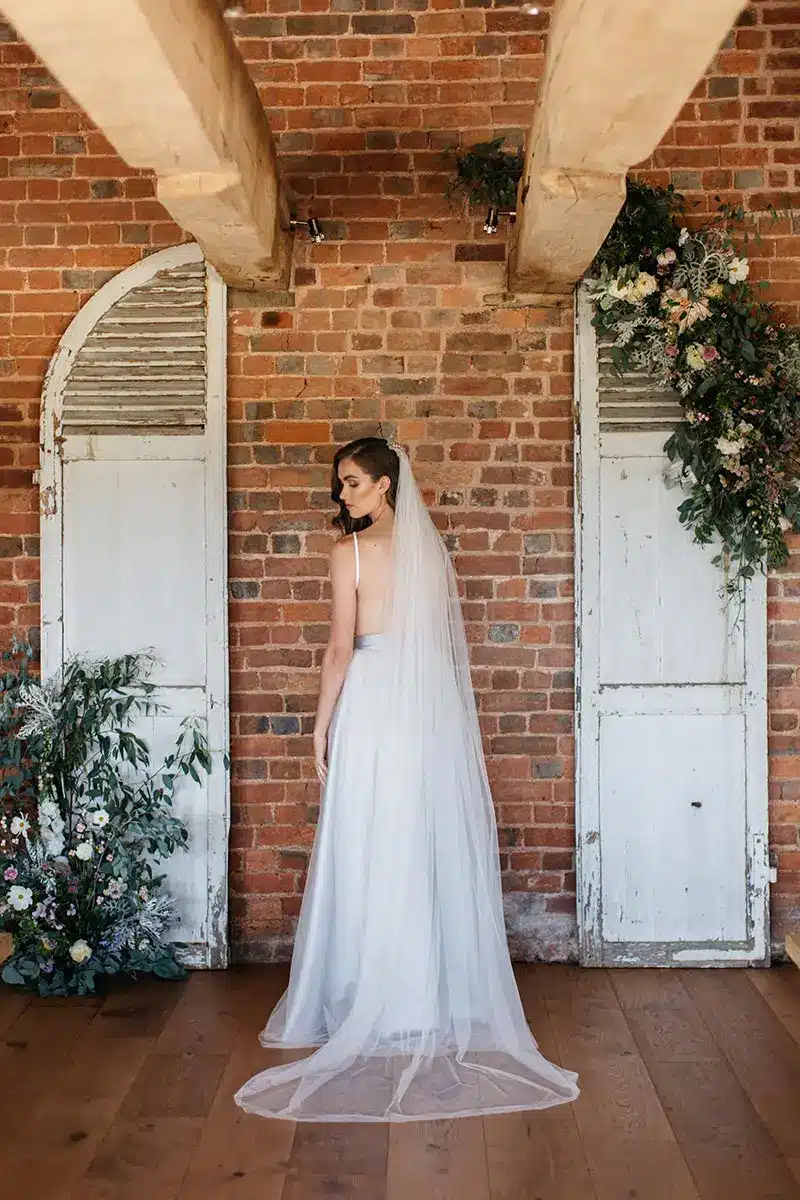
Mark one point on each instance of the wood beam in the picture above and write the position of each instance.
(616, 75)
(165, 83)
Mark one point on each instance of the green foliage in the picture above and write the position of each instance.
(645, 227)
(86, 819)
(487, 174)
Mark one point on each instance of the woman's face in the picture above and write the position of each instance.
(361, 494)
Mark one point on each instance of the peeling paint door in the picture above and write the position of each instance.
(134, 545)
(671, 702)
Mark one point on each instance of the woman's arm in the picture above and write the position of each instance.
(339, 650)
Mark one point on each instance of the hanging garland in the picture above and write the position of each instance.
(677, 305)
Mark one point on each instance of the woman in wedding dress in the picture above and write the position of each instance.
(401, 977)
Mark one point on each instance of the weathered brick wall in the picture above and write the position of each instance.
(389, 321)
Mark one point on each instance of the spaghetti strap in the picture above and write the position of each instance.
(358, 564)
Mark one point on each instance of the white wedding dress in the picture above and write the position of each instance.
(401, 975)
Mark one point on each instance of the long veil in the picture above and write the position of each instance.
(434, 1026)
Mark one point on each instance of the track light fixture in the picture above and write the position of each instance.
(313, 226)
(493, 216)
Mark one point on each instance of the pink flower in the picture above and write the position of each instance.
(10, 874)
(710, 353)
(672, 351)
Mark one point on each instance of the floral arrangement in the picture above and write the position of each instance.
(83, 822)
(676, 304)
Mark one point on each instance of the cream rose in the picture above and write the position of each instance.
(694, 357)
(80, 951)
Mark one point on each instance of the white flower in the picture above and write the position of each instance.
(51, 828)
(79, 951)
(84, 851)
(643, 285)
(785, 523)
(20, 825)
(116, 888)
(619, 291)
(729, 448)
(635, 290)
(666, 257)
(99, 818)
(20, 897)
(683, 236)
(738, 269)
(694, 357)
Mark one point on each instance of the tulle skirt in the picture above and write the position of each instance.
(401, 974)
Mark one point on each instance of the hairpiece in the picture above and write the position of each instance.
(391, 440)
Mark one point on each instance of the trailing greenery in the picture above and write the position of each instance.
(487, 174)
(676, 304)
(85, 820)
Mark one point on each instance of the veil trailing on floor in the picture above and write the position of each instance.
(425, 1020)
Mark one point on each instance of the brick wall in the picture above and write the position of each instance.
(389, 321)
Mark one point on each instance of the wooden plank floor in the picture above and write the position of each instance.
(690, 1091)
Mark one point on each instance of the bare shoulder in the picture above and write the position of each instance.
(342, 552)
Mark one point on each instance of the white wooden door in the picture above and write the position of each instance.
(670, 702)
(134, 531)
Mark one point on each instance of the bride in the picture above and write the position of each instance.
(401, 975)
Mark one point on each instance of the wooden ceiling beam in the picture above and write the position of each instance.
(164, 82)
(616, 75)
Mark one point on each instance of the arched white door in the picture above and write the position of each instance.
(134, 529)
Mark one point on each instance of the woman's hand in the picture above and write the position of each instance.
(321, 755)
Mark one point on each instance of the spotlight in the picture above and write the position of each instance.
(314, 230)
(493, 218)
(312, 225)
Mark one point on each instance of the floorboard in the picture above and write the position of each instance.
(690, 1090)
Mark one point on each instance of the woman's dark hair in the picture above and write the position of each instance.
(376, 458)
